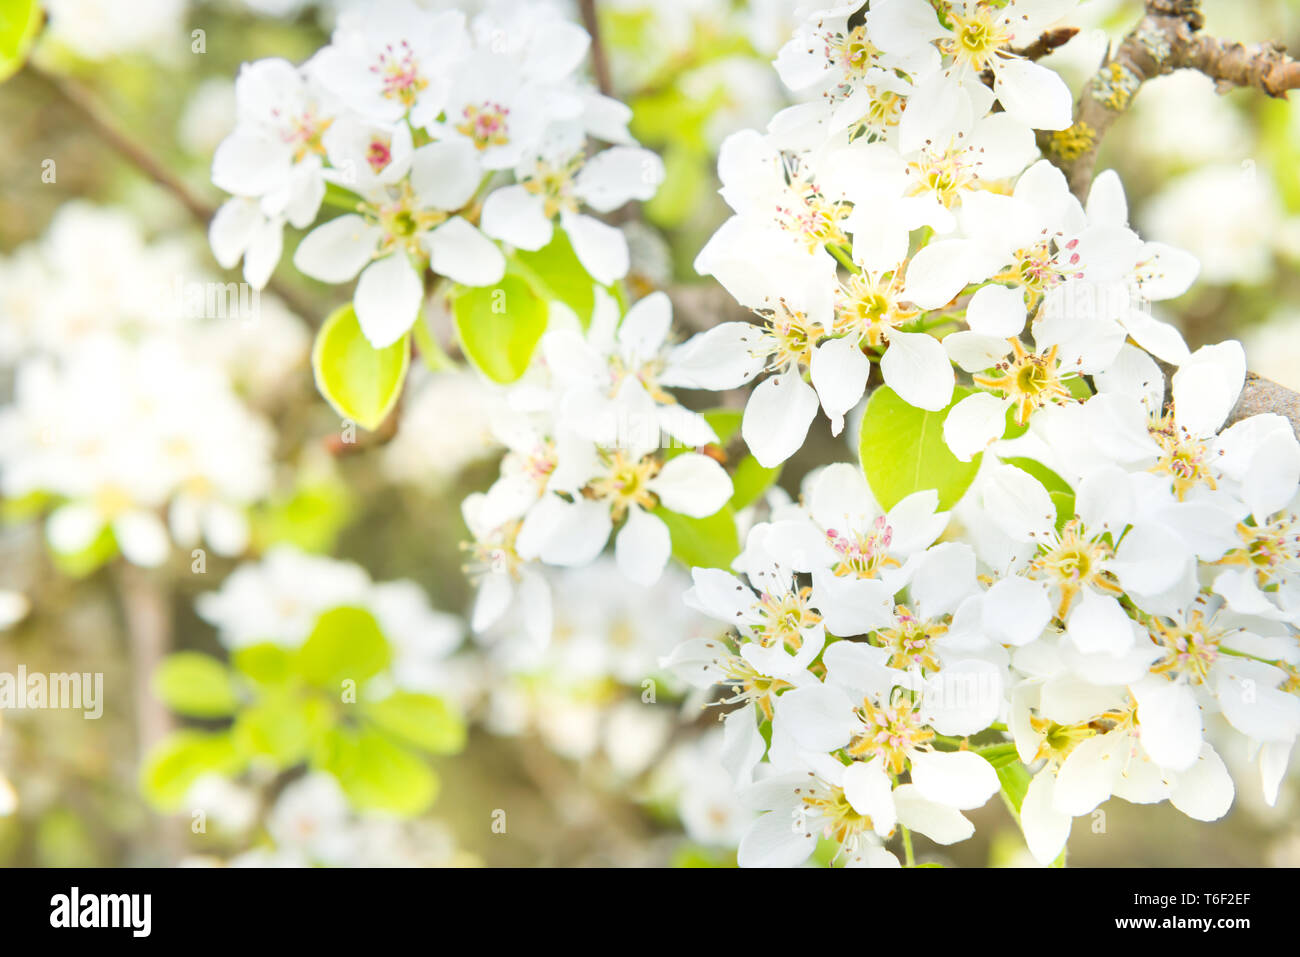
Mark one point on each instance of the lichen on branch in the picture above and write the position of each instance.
(1167, 38)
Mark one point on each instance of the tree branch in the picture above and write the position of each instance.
(1167, 38)
(1264, 395)
(1048, 41)
(599, 62)
(148, 618)
(79, 99)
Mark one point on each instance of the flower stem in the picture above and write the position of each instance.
(842, 255)
(1245, 654)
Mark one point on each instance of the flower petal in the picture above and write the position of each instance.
(777, 417)
(460, 252)
(642, 547)
(839, 371)
(336, 251)
(516, 216)
(960, 779)
(388, 299)
(916, 367)
(692, 484)
(600, 248)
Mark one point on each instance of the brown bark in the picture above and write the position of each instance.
(1264, 395)
(1167, 38)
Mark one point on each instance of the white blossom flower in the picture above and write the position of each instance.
(855, 85)
(844, 804)
(399, 230)
(503, 578)
(555, 181)
(625, 486)
(611, 380)
(391, 60)
(975, 37)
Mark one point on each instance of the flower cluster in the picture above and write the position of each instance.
(311, 824)
(830, 201)
(100, 29)
(1060, 568)
(442, 138)
(592, 689)
(135, 416)
(1054, 572)
(595, 442)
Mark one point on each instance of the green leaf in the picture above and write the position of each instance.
(377, 774)
(339, 198)
(420, 720)
(1014, 430)
(361, 382)
(1064, 507)
(676, 118)
(555, 273)
(310, 518)
(1000, 754)
(725, 422)
(345, 645)
(1078, 387)
(751, 480)
(180, 759)
(432, 354)
(19, 22)
(703, 542)
(695, 855)
(80, 564)
(282, 729)
(902, 451)
(196, 685)
(686, 174)
(1015, 778)
(499, 326)
(265, 663)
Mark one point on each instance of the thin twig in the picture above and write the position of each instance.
(1167, 38)
(148, 621)
(78, 98)
(1048, 41)
(145, 597)
(599, 62)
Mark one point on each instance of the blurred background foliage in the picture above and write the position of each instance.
(567, 751)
